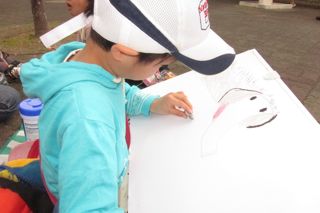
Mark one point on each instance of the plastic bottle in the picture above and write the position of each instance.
(29, 111)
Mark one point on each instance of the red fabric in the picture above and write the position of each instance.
(128, 136)
(28, 149)
(34, 150)
(20, 151)
(11, 202)
(51, 196)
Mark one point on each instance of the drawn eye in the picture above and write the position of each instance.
(253, 97)
(263, 110)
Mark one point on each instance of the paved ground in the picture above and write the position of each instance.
(289, 40)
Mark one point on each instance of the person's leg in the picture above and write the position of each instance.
(9, 101)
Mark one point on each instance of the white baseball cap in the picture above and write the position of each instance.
(178, 27)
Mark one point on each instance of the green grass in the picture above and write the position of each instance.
(20, 41)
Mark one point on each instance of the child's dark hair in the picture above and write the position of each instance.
(105, 44)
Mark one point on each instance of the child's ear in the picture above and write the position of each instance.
(118, 51)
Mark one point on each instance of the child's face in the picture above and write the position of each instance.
(139, 70)
(75, 7)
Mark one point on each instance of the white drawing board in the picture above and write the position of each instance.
(215, 163)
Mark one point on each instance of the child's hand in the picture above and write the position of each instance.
(172, 103)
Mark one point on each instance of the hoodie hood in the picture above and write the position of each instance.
(44, 77)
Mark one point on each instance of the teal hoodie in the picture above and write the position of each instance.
(82, 129)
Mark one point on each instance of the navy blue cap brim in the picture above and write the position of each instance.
(208, 67)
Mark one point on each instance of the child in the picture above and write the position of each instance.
(82, 124)
(76, 7)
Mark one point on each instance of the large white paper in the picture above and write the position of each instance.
(215, 163)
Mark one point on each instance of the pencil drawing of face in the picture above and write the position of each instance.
(244, 107)
(249, 107)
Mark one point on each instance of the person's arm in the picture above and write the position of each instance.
(138, 102)
(88, 170)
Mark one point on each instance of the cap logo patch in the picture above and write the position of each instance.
(204, 14)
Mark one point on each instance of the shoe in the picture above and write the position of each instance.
(318, 18)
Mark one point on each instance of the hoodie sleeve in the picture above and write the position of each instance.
(39, 77)
(88, 174)
(138, 102)
(32, 76)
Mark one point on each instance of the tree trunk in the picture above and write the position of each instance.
(39, 17)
